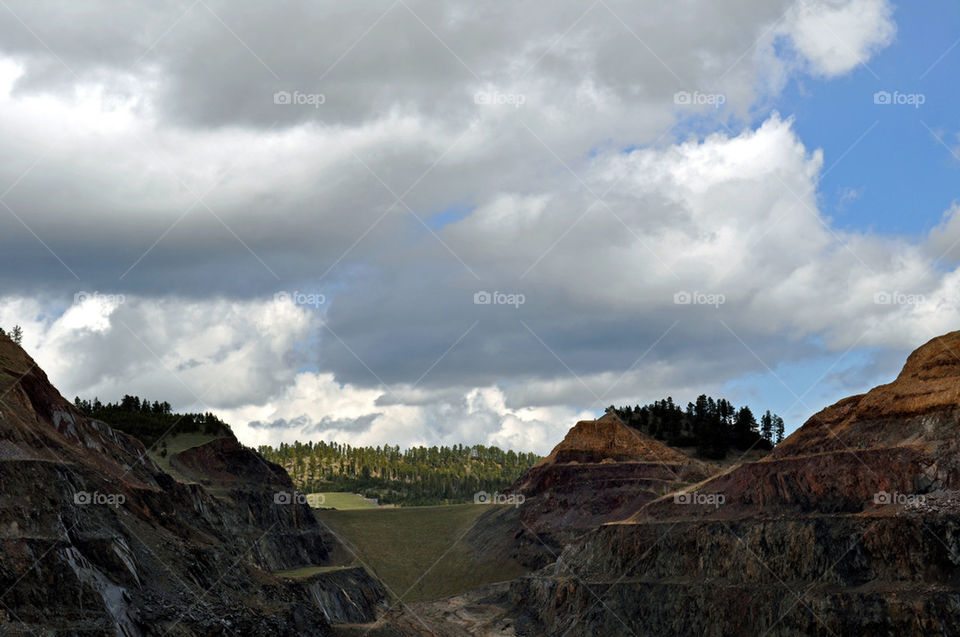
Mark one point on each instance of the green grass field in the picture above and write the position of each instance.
(307, 571)
(340, 500)
(175, 445)
(415, 550)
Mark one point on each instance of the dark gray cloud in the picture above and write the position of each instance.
(281, 423)
(219, 63)
(145, 155)
(198, 77)
(355, 425)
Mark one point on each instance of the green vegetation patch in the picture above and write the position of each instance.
(309, 571)
(171, 446)
(151, 423)
(418, 476)
(712, 427)
(418, 552)
(339, 500)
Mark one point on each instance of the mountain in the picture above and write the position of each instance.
(601, 471)
(608, 439)
(98, 539)
(851, 526)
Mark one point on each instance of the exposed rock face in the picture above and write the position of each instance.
(347, 596)
(260, 496)
(227, 462)
(901, 438)
(894, 414)
(480, 612)
(607, 438)
(851, 526)
(95, 539)
(601, 471)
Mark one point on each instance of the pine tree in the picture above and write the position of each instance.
(743, 425)
(778, 428)
(16, 335)
(311, 473)
(766, 426)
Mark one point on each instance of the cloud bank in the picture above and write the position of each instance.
(287, 215)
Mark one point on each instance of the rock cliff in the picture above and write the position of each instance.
(851, 526)
(601, 471)
(96, 539)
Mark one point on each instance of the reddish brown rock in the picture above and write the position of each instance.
(899, 438)
(602, 471)
(225, 461)
(96, 539)
(607, 438)
(851, 526)
(918, 408)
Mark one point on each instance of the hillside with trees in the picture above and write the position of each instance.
(150, 422)
(439, 475)
(16, 334)
(416, 476)
(712, 427)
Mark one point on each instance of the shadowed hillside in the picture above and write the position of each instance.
(98, 539)
(849, 527)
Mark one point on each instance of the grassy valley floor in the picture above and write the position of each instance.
(419, 552)
(340, 500)
(177, 443)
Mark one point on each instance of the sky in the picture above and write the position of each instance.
(410, 222)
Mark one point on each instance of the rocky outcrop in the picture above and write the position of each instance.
(346, 595)
(480, 612)
(851, 526)
(96, 539)
(259, 495)
(601, 471)
(899, 438)
(607, 439)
